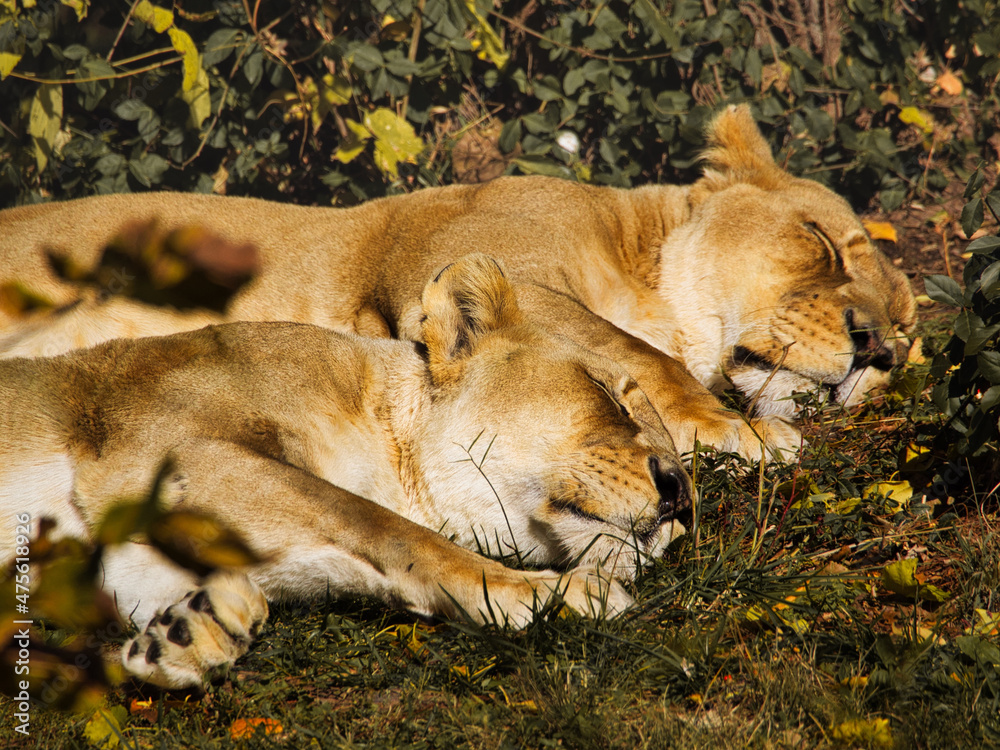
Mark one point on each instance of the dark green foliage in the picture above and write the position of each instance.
(290, 89)
(968, 371)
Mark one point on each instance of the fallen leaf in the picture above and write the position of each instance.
(897, 493)
(881, 230)
(104, 729)
(873, 732)
(901, 578)
(949, 83)
(244, 729)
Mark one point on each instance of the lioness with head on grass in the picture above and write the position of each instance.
(340, 458)
(749, 277)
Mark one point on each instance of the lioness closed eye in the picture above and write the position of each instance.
(749, 277)
(339, 458)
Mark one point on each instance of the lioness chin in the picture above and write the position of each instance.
(339, 458)
(749, 277)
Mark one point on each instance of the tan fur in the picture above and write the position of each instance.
(750, 276)
(339, 458)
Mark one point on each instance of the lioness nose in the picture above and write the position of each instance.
(869, 344)
(672, 484)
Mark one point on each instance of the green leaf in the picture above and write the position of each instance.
(110, 164)
(979, 649)
(966, 323)
(219, 46)
(989, 365)
(990, 398)
(573, 80)
(943, 289)
(978, 337)
(132, 109)
(974, 184)
(253, 68)
(148, 169)
(543, 166)
(366, 58)
(510, 135)
(972, 216)
(993, 201)
(44, 121)
(984, 245)
(655, 20)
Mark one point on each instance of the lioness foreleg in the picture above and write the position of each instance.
(317, 538)
(688, 409)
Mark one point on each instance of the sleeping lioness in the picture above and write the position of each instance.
(339, 458)
(749, 277)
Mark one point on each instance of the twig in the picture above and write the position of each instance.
(117, 76)
(411, 55)
(121, 31)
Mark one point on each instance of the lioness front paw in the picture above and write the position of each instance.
(773, 438)
(782, 439)
(584, 590)
(200, 636)
(592, 594)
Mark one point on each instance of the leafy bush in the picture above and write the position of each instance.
(336, 102)
(968, 371)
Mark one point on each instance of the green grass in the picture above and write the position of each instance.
(772, 627)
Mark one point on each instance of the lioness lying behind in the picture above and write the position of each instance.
(749, 277)
(282, 430)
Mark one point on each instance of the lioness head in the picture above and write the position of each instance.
(538, 447)
(787, 292)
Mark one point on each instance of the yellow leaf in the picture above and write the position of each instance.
(855, 682)
(198, 99)
(485, 40)
(160, 19)
(915, 458)
(190, 58)
(199, 542)
(79, 7)
(334, 90)
(103, 729)
(901, 578)
(917, 117)
(395, 140)
(8, 61)
(352, 146)
(888, 97)
(987, 624)
(897, 493)
(244, 729)
(881, 230)
(915, 354)
(44, 121)
(949, 83)
(864, 732)
(395, 31)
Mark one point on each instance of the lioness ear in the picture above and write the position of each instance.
(463, 303)
(738, 152)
